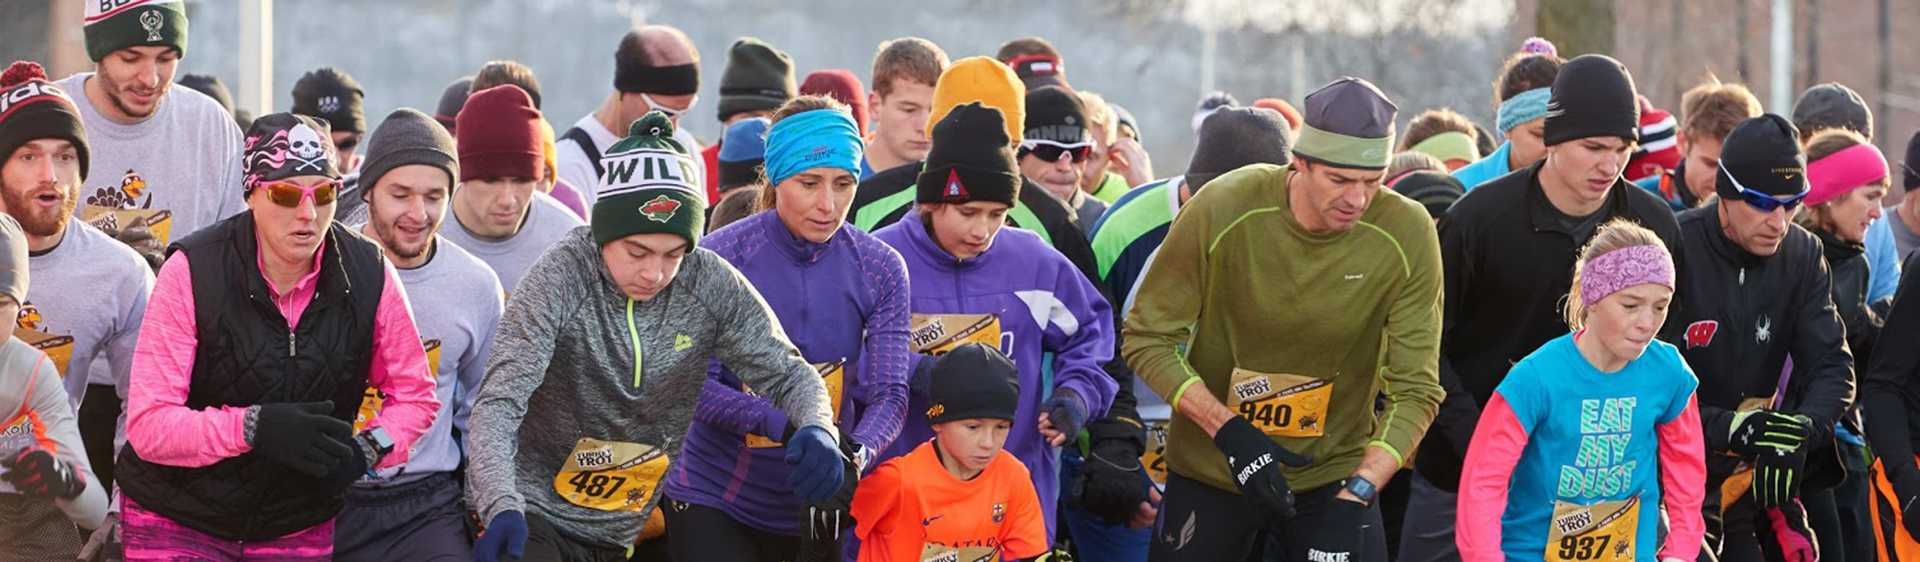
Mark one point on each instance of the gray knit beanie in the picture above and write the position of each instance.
(408, 136)
(1233, 137)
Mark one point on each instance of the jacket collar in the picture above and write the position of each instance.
(799, 250)
(1718, 242)
(1545, 217)
(922, 242)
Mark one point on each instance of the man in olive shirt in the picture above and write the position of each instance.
(1319, 291)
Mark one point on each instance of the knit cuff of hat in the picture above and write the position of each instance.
(1522, 108)
(754, 99)
(1344, 151)
(966, 184)
(376, 166)
(142, 23)
(1448, 146)
(502, 164)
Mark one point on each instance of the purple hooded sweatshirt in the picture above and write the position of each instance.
(1053, 323)
(842, 301)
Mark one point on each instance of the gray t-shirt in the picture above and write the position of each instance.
(86, 301)
(547, 222)
(1904, 239)
(184, 161)
(456, 303)
(572, 163)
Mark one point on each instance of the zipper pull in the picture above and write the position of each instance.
(290, 348)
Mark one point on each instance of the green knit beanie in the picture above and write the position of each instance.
(112, 25)
(646, 188)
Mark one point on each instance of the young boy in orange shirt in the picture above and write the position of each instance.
(957, 497)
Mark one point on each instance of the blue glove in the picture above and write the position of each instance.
(817, 464)
(506, 534)
(1067, 412)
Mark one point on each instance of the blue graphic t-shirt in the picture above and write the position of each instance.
(1591, 440)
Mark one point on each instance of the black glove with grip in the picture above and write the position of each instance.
(1253, 461)
(1110, 484)
(1762, 431)
(304, 436)
(1343, 529)
(36, 473)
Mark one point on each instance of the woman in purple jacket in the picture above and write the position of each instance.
(841, 296)
(975, 281)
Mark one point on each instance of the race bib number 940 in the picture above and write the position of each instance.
(1601, 532)
(1281, 405)
(610, 475)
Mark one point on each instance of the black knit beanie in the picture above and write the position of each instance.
(329, 93)
(1593, 96)
(1055, 114)
(1912, 163)
(33, 108)
(758, 77)
(1237, 136)
(970, 159)
(1434, 190)
(1763, 154)
(973, 381)
(211, 86)
(1832, 106)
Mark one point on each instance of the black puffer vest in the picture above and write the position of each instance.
(246, 356)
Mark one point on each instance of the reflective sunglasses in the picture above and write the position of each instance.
(1051, 151)
(288, 194)
(1763, 202)
(670, 111)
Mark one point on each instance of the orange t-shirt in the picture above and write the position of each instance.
(911, 509)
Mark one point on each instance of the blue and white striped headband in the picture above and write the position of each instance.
(1523, 107)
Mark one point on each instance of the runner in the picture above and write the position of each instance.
(1708, 112)
(451, 100)
(1509, 245)
(960, 495)
(845, 293)
(885, 198)
(499, 211)
(758, 79)
(1888, 401)
(414, 511)
(46, 484)
(1444, 134)
(1754, 290)
(975, 281)
(329, 93)
(840, 85)
(1520, 92)
(230, 459)
(1532, 488)
(1108, 499)
(905, 70)
(1098, 179)
(1054, 151)
(597, 365)
(744, 155)
(655, 68)
(1318, 250)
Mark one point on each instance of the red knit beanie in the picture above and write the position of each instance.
(1659, 148)
(498, 134)
(841, 85)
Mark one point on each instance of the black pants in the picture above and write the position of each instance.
(705, 534)
(99, 417)
(423, 520)
(1201, 523)
(546, 544)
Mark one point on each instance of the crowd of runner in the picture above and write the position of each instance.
(955, 317)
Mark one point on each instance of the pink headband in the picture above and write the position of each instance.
(1622, 268)
(1841, 172)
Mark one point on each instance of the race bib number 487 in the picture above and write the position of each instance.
(610, 475)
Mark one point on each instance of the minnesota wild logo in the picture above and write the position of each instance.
(660, 209)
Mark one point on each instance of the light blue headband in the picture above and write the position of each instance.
(1523, 107)
(812, 139)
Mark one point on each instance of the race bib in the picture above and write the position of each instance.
(1601, 532)
(57, 348)
(158, 221)
(373, 400)
(834, 374)
(943, 553)
(1155, 457)
(1281, 405)
(936, 334)
(610, 475)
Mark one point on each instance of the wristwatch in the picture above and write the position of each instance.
(1360, 488)
(381, 444)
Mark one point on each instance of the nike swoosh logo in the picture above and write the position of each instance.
(929, 520)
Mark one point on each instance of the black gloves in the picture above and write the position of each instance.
(1761, 431)
(1066, 411)
(827, 521)
(1777, 475)
(36, 473)
(304, 436)
(1343, 529)
(1254, 460)
(1111, 483)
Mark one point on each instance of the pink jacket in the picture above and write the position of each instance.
(164, 430)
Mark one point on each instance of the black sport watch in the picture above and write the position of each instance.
(1360, 488)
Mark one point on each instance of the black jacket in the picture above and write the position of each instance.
(247, 357)
(1890, 387)
(1509, 263)
(1738, 318)
(1848, 263)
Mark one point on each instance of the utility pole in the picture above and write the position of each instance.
(1780, 75)
(256, 57)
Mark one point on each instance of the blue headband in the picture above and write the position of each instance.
(812, 139)
(1523, 107)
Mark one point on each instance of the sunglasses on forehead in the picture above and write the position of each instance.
(1052, 151)
(1761, 201)
(288, 194)
(669, 111)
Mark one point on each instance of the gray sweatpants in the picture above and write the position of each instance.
(1427, 534)
(421, 520)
